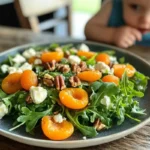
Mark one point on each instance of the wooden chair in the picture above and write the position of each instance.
(28, 12)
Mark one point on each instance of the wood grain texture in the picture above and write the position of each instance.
(139, 140)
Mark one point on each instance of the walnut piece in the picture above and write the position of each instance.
(76, 68)
(75, 81)
(59, 82)
(83, 66)
(50, 65)
(63, 68)
(48, 80)
(99, 125)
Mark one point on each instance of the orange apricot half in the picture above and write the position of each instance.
(74, 98)
(49, 56)
(89, 76)
(56, 131)
(28, 79)
(111, 78)
(11, 83)
(103, 57)
(88, 54)
(119, 70)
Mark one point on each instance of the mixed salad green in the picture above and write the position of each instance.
(109, 102)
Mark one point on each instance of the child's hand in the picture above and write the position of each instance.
(126, 36)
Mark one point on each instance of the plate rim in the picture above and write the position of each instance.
(73, 143)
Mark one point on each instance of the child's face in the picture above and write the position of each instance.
(137, 14)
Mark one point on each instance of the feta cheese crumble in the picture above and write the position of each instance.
(58, 118)
(3, 110)
(84, 138)
(26, 66)
(106, 101)
(74, 59)
(84, 48)
(101, 66)
(38, 62)
(14, 70)
(38, 94)
(29, 53)
(4, 68)
(18, 59)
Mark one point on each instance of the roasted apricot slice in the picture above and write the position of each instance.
(49, 56)
(28, 79)
(111, 78)
(103, 57)
(56, 131)
(11, 83)
(86, 54)
(74, 98)
(119, 69)
(89, 76)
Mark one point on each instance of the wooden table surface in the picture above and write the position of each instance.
(139, 140)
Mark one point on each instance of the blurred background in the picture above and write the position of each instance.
(60, 17)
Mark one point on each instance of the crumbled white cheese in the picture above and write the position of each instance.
(26, 66)
(106, 101)
(29, 53)
(101, 66)
(113, 59)
(74, 59)
(111, 71)
(38, 54)
(58, 118)
(140, 87)
(38, 94)
(18, 59)
(91, 67)
(3, 110)
(4, 68)
(84, 47)
(73, 50)
(14, 70)
(37, 61)
(84, 137)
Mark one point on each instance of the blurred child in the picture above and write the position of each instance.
(121, 22)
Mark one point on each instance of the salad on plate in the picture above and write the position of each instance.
(63, 88)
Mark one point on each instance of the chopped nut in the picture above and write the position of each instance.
(50, 65)
(48, 80)
(79, 67)
(59, 82)
(29, 99)
(76, 68)
(99, 125)
(75, 81)
(63, 68)
(83, 66)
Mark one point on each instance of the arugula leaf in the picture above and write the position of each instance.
(53, 46)
(92, 60)
(30, 118)
(100, 89)
(85, 130)
(140, 81)
(66, 47)
(122, 60)
(109, 52)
